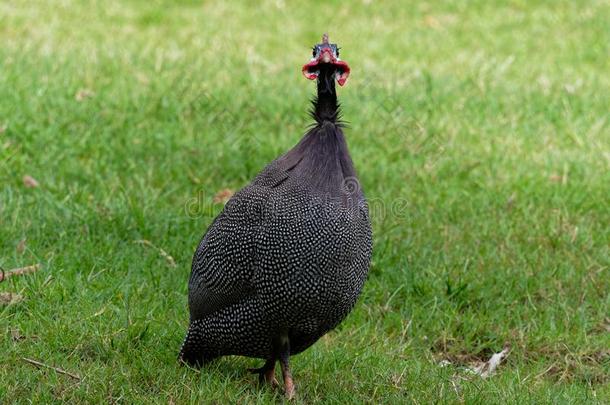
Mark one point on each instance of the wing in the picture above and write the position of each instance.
(224, 262)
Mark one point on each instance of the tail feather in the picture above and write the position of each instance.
(193, 351)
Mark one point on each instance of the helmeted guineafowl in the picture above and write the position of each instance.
(286, 259)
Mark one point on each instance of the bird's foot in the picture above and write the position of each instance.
(289, 388)
(266, 373)
(288, 381)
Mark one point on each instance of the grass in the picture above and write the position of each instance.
(481, 134)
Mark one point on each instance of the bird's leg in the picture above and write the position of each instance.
(266, 373)
(287, 375)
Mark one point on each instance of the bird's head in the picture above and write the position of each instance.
(326, 56)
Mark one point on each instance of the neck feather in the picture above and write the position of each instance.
(321, 159)
(325, 105)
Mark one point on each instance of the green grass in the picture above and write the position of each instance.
(481, 134)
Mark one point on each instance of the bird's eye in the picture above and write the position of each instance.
(338, 52)
(313, 51)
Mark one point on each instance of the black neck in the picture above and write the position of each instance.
(325, 105)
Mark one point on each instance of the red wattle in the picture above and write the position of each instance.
(342, 66)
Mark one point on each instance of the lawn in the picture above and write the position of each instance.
(481, 134)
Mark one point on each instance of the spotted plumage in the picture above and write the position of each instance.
(285, 261)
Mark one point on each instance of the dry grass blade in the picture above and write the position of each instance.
(21, 246)
(56, 369)
(16, 335)
(19, 271)
(170, 259)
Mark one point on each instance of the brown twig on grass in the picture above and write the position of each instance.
(56, 369)
(18, 272)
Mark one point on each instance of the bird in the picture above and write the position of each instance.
(286, 259)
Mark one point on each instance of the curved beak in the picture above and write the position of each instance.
(311, 70)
